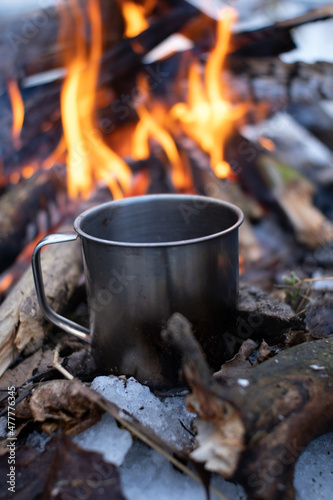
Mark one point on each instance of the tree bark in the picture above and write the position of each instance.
(252, 428)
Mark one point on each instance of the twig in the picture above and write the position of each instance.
(304, 299)
(58, 366)
(104, 404)
(312, 280)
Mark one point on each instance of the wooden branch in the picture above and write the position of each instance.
(22, 327)
(251, 429)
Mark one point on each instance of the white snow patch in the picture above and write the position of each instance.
(313, 477)
(165, 416)
(317, 367)
(106, 438)
(314, 42)
(146, 475)
(243, 382)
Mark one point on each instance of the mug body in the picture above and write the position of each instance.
(146, 258)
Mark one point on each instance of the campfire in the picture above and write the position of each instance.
(108, 101)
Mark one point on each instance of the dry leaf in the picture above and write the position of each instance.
(60, 402)
(220, 430)
(61, 472)
(236, 366)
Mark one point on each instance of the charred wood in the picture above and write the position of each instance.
(42, 119)
(29, 42)
(28, 48)
(278, 83)
(263, 316)
(127, 56)
(207, 183)
(282, 189)
(30, 209)
(314, 118)
(273, 40)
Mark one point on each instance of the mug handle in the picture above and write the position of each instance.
(55, 318)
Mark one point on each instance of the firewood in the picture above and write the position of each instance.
(207, 183)
(28, 48)
(26, 208)
(252, 428)
(278, 83)
(314, 118)
(29, 42)
(281, 188)
(126, 57)
(277, 38)
(22, 327)
(42, 120)
(311, 227)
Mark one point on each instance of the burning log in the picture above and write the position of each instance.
(127, 56)
(29, 43)
(252, 428)
(207, 183)
(22, 327)
(42, 120)
(30, 210)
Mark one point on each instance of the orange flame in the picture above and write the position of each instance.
(148, 127)
(18, 109)
(152, 125)
(58, 152)
(134, 15)
(6, 281)
(207, 117)
(89, 159)
(141, 183)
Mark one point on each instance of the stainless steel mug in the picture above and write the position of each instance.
(144, 259)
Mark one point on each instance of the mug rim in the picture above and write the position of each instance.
(181, 197)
